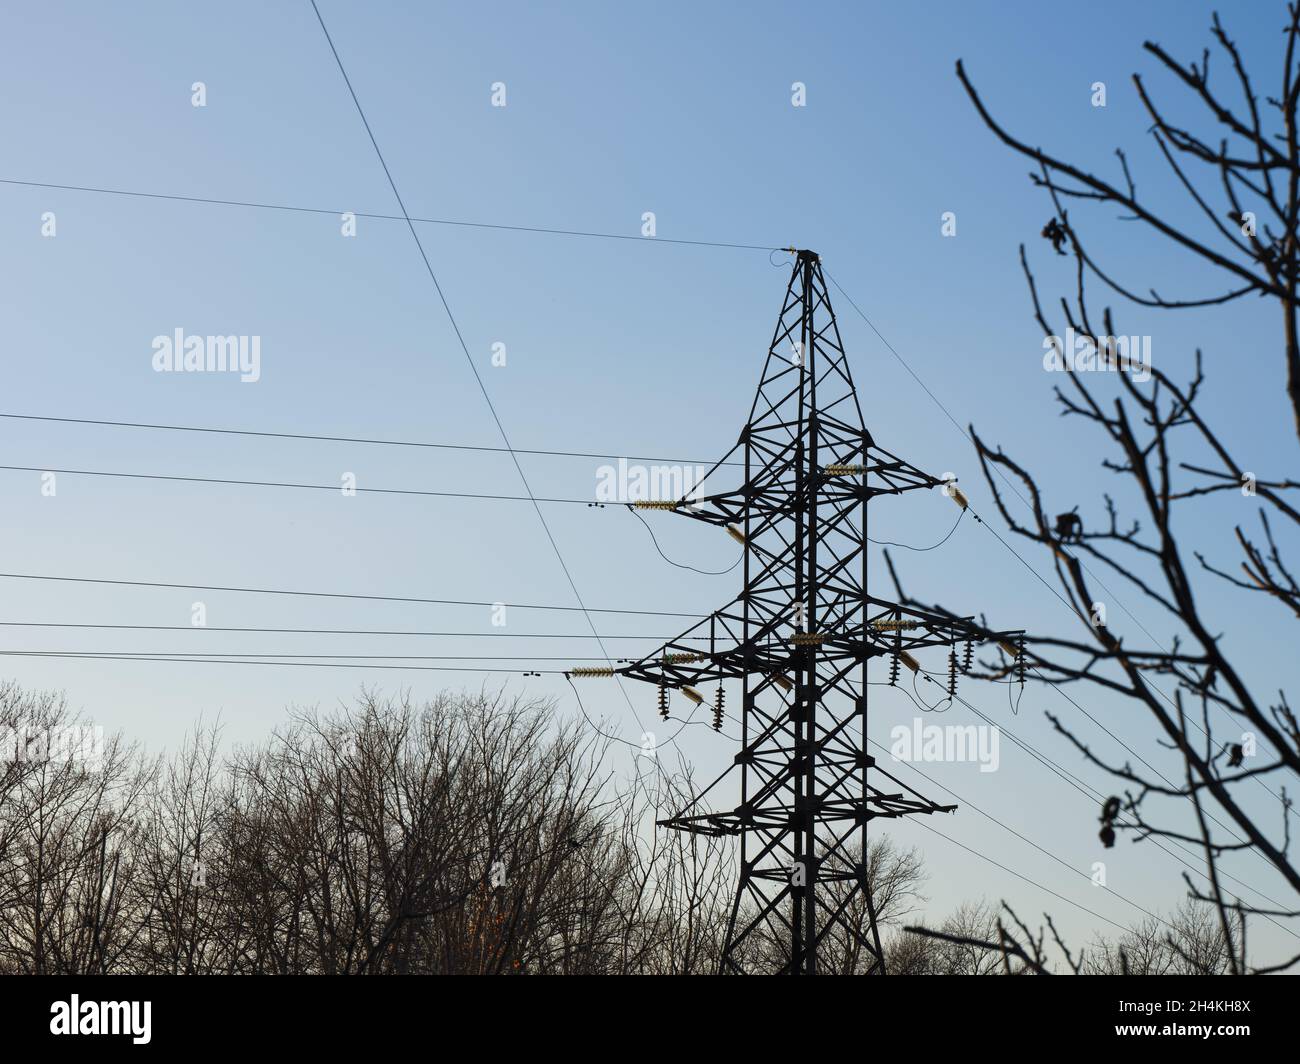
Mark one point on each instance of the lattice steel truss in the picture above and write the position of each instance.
(800, 636)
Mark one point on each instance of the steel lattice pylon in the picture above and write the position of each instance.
(800, 636)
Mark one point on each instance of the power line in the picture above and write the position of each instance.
(451, 494)
(682, 565)
(206, 654)
(387, 217)
(1006, 827)
(451, 318)
(213, 659)
(325, 438)
(216, 658)
(232, 481)
(329, 631)
(530, 496)
(1098, 723)
(933, 546)
(335, 594)
(409, 220)
(348, 665)
(527, 229)
(170, 656)
(1023, 878)
(1005, 479)
(298, 664)
(1083, 564)
(1083, 788)
(1093, 795)
(237, 482)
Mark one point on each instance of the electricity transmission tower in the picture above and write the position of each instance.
(800, 636)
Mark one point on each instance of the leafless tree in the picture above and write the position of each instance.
(67, 802)
(472, 834)
(1233, 730)
(1189, 942)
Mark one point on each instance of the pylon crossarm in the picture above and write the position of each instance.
(711, 509)
(852, 468)
(773, 647)
(892, 627)
(713, 824)
(917, 801)
(716, 648)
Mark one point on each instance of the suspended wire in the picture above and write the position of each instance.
(852, 303)
(682, 565)
(250, 661)
(409, 220)
(569, 233)
(336, 595)
(1023, 878)
(451, 318)
(671, 740)
(1006, 827)
(907, 546)
(1093, 795)
(1038, 576)
(389, 217)
(1090, 793)
(1068, 778)
(336, 631)
(293, 484)
(716, 731)
(1015, 706)
(935, 399)
(350, 439)
(1026, 879)
(1146, 680)
(1020, 664)
(594, 726)
(926, 707)
(529, 229)
(205, 654)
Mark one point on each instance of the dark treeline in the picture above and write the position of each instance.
(472, 834)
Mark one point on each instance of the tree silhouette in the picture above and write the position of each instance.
(1234, 730)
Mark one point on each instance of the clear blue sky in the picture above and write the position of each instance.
(612, 346)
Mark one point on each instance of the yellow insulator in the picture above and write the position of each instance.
(736, 534)
(909, 661)
(693, 695)
(1012, 651)
(808, 639)
(680, 659)
(894, 626)
(844, 470)
(592, 670)
(782, 681)
(956, 495)
(653, 504)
